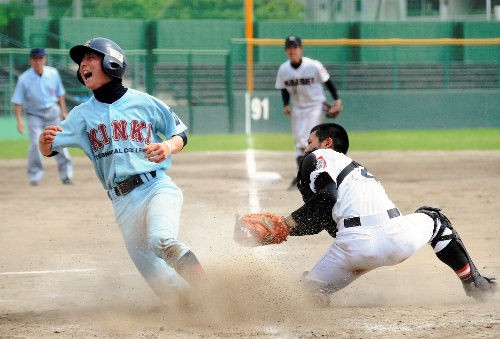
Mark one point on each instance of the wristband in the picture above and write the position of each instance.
(290, 222)
(167, 142)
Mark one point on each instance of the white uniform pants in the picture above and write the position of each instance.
(360, 249)
(149, 218)
(36, 124)
(303, 120)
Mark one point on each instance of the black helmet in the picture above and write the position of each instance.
(113, 63)
(334, 131)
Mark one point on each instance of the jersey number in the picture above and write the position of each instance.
(366, 174)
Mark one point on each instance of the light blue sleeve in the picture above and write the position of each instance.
(18, 96)
(73, 133)
(60, 87)
(167, 123)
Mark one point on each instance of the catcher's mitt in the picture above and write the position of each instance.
(332, 111)
(260, 229)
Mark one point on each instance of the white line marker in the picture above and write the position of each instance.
(75, 270)
(253, 192)
(255, 177)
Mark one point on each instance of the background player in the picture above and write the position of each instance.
(302, 79)
(119, 129)
(40, 92)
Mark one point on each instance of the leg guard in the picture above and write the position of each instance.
(451, 250)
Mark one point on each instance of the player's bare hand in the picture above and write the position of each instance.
(287, 111)
(20, 127)
(333, 111)
(49, 133)
(337, 107)
(47, 138)
(156, 152)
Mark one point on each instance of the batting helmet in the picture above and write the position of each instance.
(113, 63)
(334, 131)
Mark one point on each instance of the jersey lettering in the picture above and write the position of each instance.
(136, 130)
(119, 130)
(366, 174)
(94, 141)
(150, 132)
(300, 81)
(99, 136)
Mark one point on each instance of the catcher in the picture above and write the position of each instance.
(344, 198)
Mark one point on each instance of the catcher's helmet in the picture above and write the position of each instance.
(113, 63)
(334, 131)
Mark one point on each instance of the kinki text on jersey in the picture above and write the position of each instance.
(120, 130)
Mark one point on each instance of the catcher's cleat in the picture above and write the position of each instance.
(480, 288)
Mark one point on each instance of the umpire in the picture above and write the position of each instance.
(40, 93)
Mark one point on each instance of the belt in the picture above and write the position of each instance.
(126, 186)
(370, 220)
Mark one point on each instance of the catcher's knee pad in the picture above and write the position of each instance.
(169, 249)
(443, 231)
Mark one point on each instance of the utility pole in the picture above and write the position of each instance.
(77, 9)
(41, 8)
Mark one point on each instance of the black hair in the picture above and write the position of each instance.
(334, 131)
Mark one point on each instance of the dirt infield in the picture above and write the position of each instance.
(64, 271)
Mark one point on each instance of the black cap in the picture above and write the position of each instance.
(293, 40)
(37, 52)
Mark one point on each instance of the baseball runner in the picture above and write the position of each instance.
(40, 93)
(302, 79)
(120, 130)
(344, 198)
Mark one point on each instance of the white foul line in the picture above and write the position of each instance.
(253, 198)
(75, 270)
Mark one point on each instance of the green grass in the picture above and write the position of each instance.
(410, 140)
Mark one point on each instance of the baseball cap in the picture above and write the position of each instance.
(37, 52)
(293, 40)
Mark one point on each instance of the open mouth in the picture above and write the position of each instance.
(87, 74)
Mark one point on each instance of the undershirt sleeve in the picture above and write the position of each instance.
(285, 96)
(331, 88)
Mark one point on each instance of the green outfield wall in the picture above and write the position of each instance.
(127, 33)
(370, 110)
(194, 66)
(385, 110)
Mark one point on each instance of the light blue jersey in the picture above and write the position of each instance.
(38, 93)
(112, 135)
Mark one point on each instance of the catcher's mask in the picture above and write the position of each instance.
(334, 131)
(113, 62)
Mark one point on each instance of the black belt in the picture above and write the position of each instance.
(126, 186)
(356, 221)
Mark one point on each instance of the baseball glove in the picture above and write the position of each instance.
(332, 111)
(260, 229)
